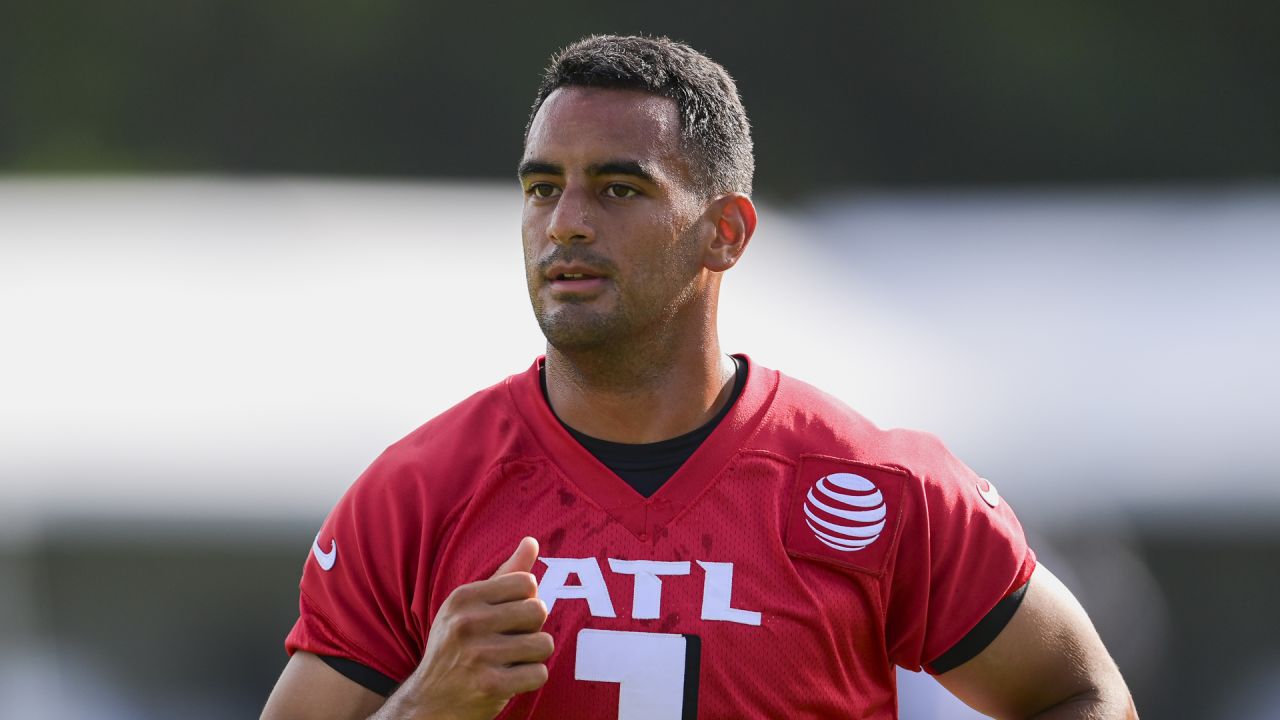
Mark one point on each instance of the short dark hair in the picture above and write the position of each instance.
(713, 124)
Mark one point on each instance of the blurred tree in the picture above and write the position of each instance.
(840, 93)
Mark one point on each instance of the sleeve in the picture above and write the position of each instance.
(365, 575)
(962, 551)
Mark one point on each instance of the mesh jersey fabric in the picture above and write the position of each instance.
(724, 561)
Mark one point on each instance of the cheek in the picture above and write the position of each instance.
(684, 245)
(529, 237)
(532, 219)
(664, 259)
(531, 267)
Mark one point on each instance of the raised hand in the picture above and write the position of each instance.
(486, 644)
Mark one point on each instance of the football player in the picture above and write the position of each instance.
(640, 526)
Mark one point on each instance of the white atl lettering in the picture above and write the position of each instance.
(646, 601)
(646, 604)
(717, 596)
(592, 587)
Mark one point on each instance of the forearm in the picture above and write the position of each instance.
(397, 707)
(407, 703)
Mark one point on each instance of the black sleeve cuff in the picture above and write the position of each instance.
(981, 635)
(366, 676)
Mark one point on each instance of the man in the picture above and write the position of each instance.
(676, 533)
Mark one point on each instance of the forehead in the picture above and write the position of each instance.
(578, 123)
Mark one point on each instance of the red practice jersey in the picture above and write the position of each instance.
(782, 572)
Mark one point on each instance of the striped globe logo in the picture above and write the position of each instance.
(845, 511)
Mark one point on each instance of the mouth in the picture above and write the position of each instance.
(575, 280)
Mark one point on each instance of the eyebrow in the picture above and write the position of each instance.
(609, 167)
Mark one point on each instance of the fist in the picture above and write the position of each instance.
(486, 644)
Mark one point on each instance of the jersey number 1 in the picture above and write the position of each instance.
(657, 673)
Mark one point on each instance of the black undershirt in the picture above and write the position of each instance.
(646, 467)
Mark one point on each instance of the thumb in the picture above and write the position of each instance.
(522, 559)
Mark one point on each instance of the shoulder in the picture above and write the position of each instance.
(806, 420)
(483, 419)
(449, 452)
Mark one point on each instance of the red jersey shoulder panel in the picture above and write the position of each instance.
(360, 589)
(898, 504)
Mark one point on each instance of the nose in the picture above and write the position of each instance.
(571, 222)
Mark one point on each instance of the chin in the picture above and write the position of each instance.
(567, 331)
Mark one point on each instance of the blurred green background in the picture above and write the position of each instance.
(840, 93)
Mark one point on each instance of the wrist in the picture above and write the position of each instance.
(408, 703)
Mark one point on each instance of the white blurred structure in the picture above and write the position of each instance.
(241, 349)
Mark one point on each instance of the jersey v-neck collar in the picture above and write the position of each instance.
(640, 515)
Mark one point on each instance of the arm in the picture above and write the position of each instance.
(485, 645)
(1047, 663)
(308, 689)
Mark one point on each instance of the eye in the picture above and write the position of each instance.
(618, 190)
(542, 190)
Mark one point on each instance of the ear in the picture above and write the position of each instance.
(734, 219)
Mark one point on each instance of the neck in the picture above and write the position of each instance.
(639, 395)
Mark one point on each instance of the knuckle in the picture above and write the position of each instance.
(461, 595)
(544, 644)
(539, 610)
(448, 607)
(525, 582)
(466, 623)
(529, 610)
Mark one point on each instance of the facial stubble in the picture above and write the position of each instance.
(639, 320)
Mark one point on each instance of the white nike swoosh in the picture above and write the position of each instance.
(326, 559)
(991, 495)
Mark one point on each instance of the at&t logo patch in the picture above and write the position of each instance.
(845, 511)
